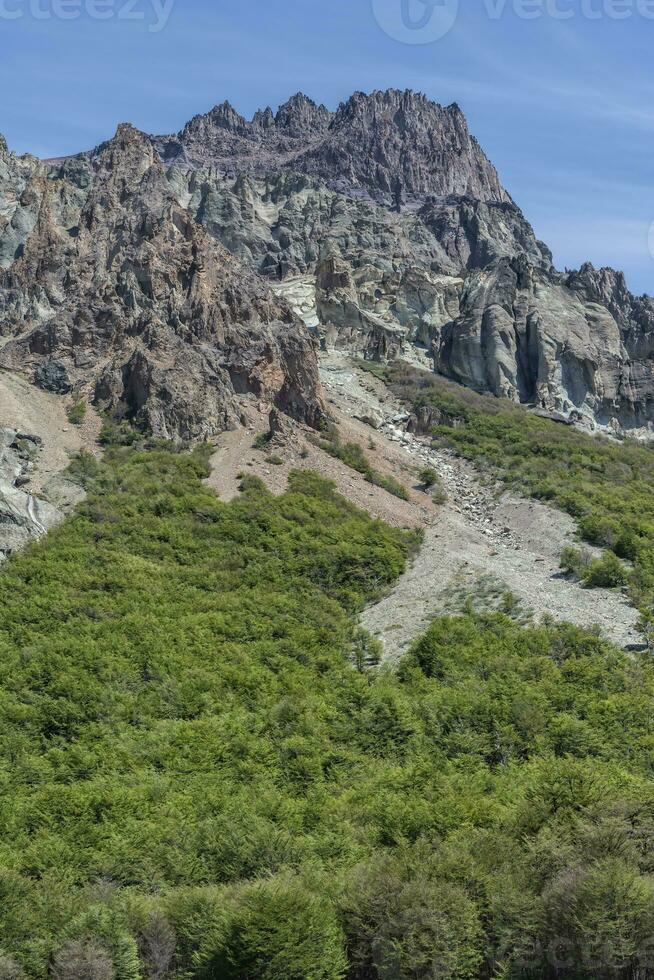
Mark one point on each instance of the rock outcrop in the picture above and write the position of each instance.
(137, 269)
(138, 302)
(23, 517)
(392, 205)
(578, 345)
(393, 146)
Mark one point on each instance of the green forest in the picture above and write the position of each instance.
(204, 777)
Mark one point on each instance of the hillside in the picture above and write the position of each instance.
(203, 777)
(327, 579)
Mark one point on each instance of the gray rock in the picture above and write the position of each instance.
(373, 418)
(23, 517)
(53, 376)
(168, 326)
(393, 205)
(390, 146)
(389, 203)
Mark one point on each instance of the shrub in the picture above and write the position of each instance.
(606, 572)
(402, 923)
(262, 440)
(85, 470)
(76, 413)
(353, 456)
(574, 561)
(428, 477)
(388, 483)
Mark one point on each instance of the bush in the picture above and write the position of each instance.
(388, 483)
(403, 920)
(76, 413)
(428, 478)
(606, 572)
(262, 440)
(353, 456)
(574, 561)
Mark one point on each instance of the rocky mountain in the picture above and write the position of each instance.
(138, 271)
(392, 209)
(129, 298)
(394, 147)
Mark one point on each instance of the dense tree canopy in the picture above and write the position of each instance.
(201, 777)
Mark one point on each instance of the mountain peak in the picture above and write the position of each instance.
(299, 100)
(126, 133)
(222, 117)
(399, 146)
(394, 146)
(127, 156)
(301, 116)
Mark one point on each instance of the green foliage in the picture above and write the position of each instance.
(573, 561)
(169, 669)
(404, 922)
(607, 572)
(279, 929)
(428, 477)
(353, 456)
(201, 776)
(262, 440)
(431, 482)
(76, 413)
(605, 485)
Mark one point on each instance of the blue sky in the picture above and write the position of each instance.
(560, 93)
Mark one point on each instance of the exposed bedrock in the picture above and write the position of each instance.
(140, 304)
(23, 517)
(140, 269)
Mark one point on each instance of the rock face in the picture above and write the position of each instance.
(23, 518)
(391, 146)
(578, 345)
(24, 182)
(137, 301)
(392, 205)
(139, 269)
